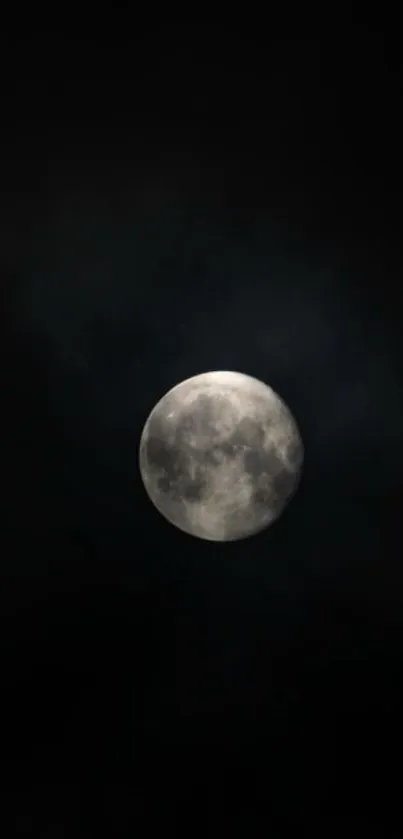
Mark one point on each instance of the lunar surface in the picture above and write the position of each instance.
(220, 456)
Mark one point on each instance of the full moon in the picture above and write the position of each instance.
(220, 456)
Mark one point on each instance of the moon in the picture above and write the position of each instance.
(220, 456)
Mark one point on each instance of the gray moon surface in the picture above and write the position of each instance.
(221, 456)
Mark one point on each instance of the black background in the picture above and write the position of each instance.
(176, 200)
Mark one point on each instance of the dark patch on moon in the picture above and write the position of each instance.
(175, 471)
(176, 466)
(250, 432)
(163, 457)
(181, 468)
(171, 452)
(253, 462)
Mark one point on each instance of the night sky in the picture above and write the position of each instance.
(174, 201)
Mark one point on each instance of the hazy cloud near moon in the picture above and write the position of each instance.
(91, 290)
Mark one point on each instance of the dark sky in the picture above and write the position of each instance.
(173, 201)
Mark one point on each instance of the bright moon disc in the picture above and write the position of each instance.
(220, 456)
